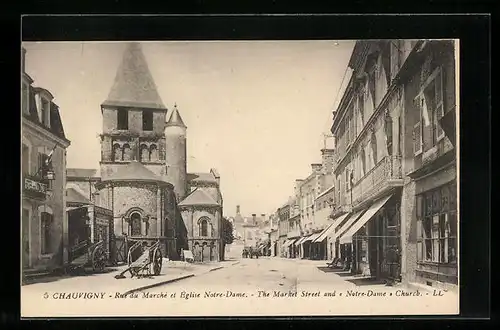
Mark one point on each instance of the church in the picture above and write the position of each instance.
(143, 169)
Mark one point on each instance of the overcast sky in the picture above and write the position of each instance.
(255, 111)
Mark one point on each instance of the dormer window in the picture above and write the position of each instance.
(25, 99)
(45, 113)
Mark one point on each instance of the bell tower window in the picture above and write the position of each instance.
(122, 119)
(147, 121)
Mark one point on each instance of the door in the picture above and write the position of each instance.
(26, 238)
(393, 247)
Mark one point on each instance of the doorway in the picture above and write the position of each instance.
(26, 237)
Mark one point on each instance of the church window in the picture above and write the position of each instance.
(204, 227)
(153, 153)
(135, 224)
(126, 153)
(147, 121)
(122, 119)
(144, 153)
(117, 152)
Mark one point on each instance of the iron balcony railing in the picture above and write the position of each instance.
(386, 174)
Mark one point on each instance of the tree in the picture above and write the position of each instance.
(227, 234)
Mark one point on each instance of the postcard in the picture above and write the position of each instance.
(240, 178)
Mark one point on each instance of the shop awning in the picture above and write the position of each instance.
(348, 224)
(289, 242)
(330, 229)
(372, 210)
(301, 240)
(312, 237)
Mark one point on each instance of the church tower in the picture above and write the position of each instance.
(133, 118)
(175, 137)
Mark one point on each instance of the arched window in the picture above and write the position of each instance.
(204, 228)
(126, 154)
(117, 152)
(153, 153)
(144, 153)
(135, 224)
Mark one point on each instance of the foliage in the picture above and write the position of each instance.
(227, 231)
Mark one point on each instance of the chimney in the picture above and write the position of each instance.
(254, 218)
(316, 167)
(297, 186)
(237, 209)
(23, 59)
(327, 160)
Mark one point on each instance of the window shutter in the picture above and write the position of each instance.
(417, 130)
(439, 103)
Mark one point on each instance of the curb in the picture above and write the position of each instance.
(159, 284)
(175, 279)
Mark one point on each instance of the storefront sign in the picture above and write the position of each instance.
(34, 187)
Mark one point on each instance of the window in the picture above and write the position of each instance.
(144, 153)
(437, 225)
(25, 99)
(126, 153)
(388, 133)
(45, 226)
(45, 112)
(44, 165)
(25, 159)
(147, 121)
(122, 119)
(153, 153)
(427, 130)
(117, 152)
(204, 228)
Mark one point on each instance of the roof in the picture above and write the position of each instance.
(56, 126)
(134, 171)
(73, 196)
(201, 177)
(175, 118)
(134, 85)
(198, 197)
(81, 172)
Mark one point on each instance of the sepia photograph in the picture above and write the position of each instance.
(240, 178)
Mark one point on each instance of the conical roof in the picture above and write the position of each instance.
(134, 171)
(134, 85)
(175, 118)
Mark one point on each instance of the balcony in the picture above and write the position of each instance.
(34, 187)
(384, 176)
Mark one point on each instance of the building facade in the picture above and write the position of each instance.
(283, 229)
(379, 128)
(44, 222)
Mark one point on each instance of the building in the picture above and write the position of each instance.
(294, 232)
(143, 178)
(320, 179)
(283, 229)
(44, 222)
(201, 210)
(322, 246)
(252, 231)
(380, 126)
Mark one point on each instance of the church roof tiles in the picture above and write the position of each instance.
(134, 171)
(198, 197)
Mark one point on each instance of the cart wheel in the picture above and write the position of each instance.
(157, 262)
(98, 259)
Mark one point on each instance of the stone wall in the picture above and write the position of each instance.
(133, 195)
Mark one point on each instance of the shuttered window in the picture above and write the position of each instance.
(417, 130)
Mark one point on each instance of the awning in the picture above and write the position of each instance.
(71, 208)
(330, 229)
(312, 237)
(301, 240)
(349, 223)
(288, 242)
(347, 237)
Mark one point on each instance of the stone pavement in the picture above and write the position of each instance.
(171, 271)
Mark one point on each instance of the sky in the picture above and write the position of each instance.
(255, 110)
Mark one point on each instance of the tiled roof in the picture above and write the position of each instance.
(201, 177)
(134, 171)
(175, 118)
(198, 197)
(81, 172)
(134, 85)
(73, 196)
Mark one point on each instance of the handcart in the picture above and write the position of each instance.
(149, 263)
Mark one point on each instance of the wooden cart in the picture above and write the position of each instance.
(86, 255)
(149, 262)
